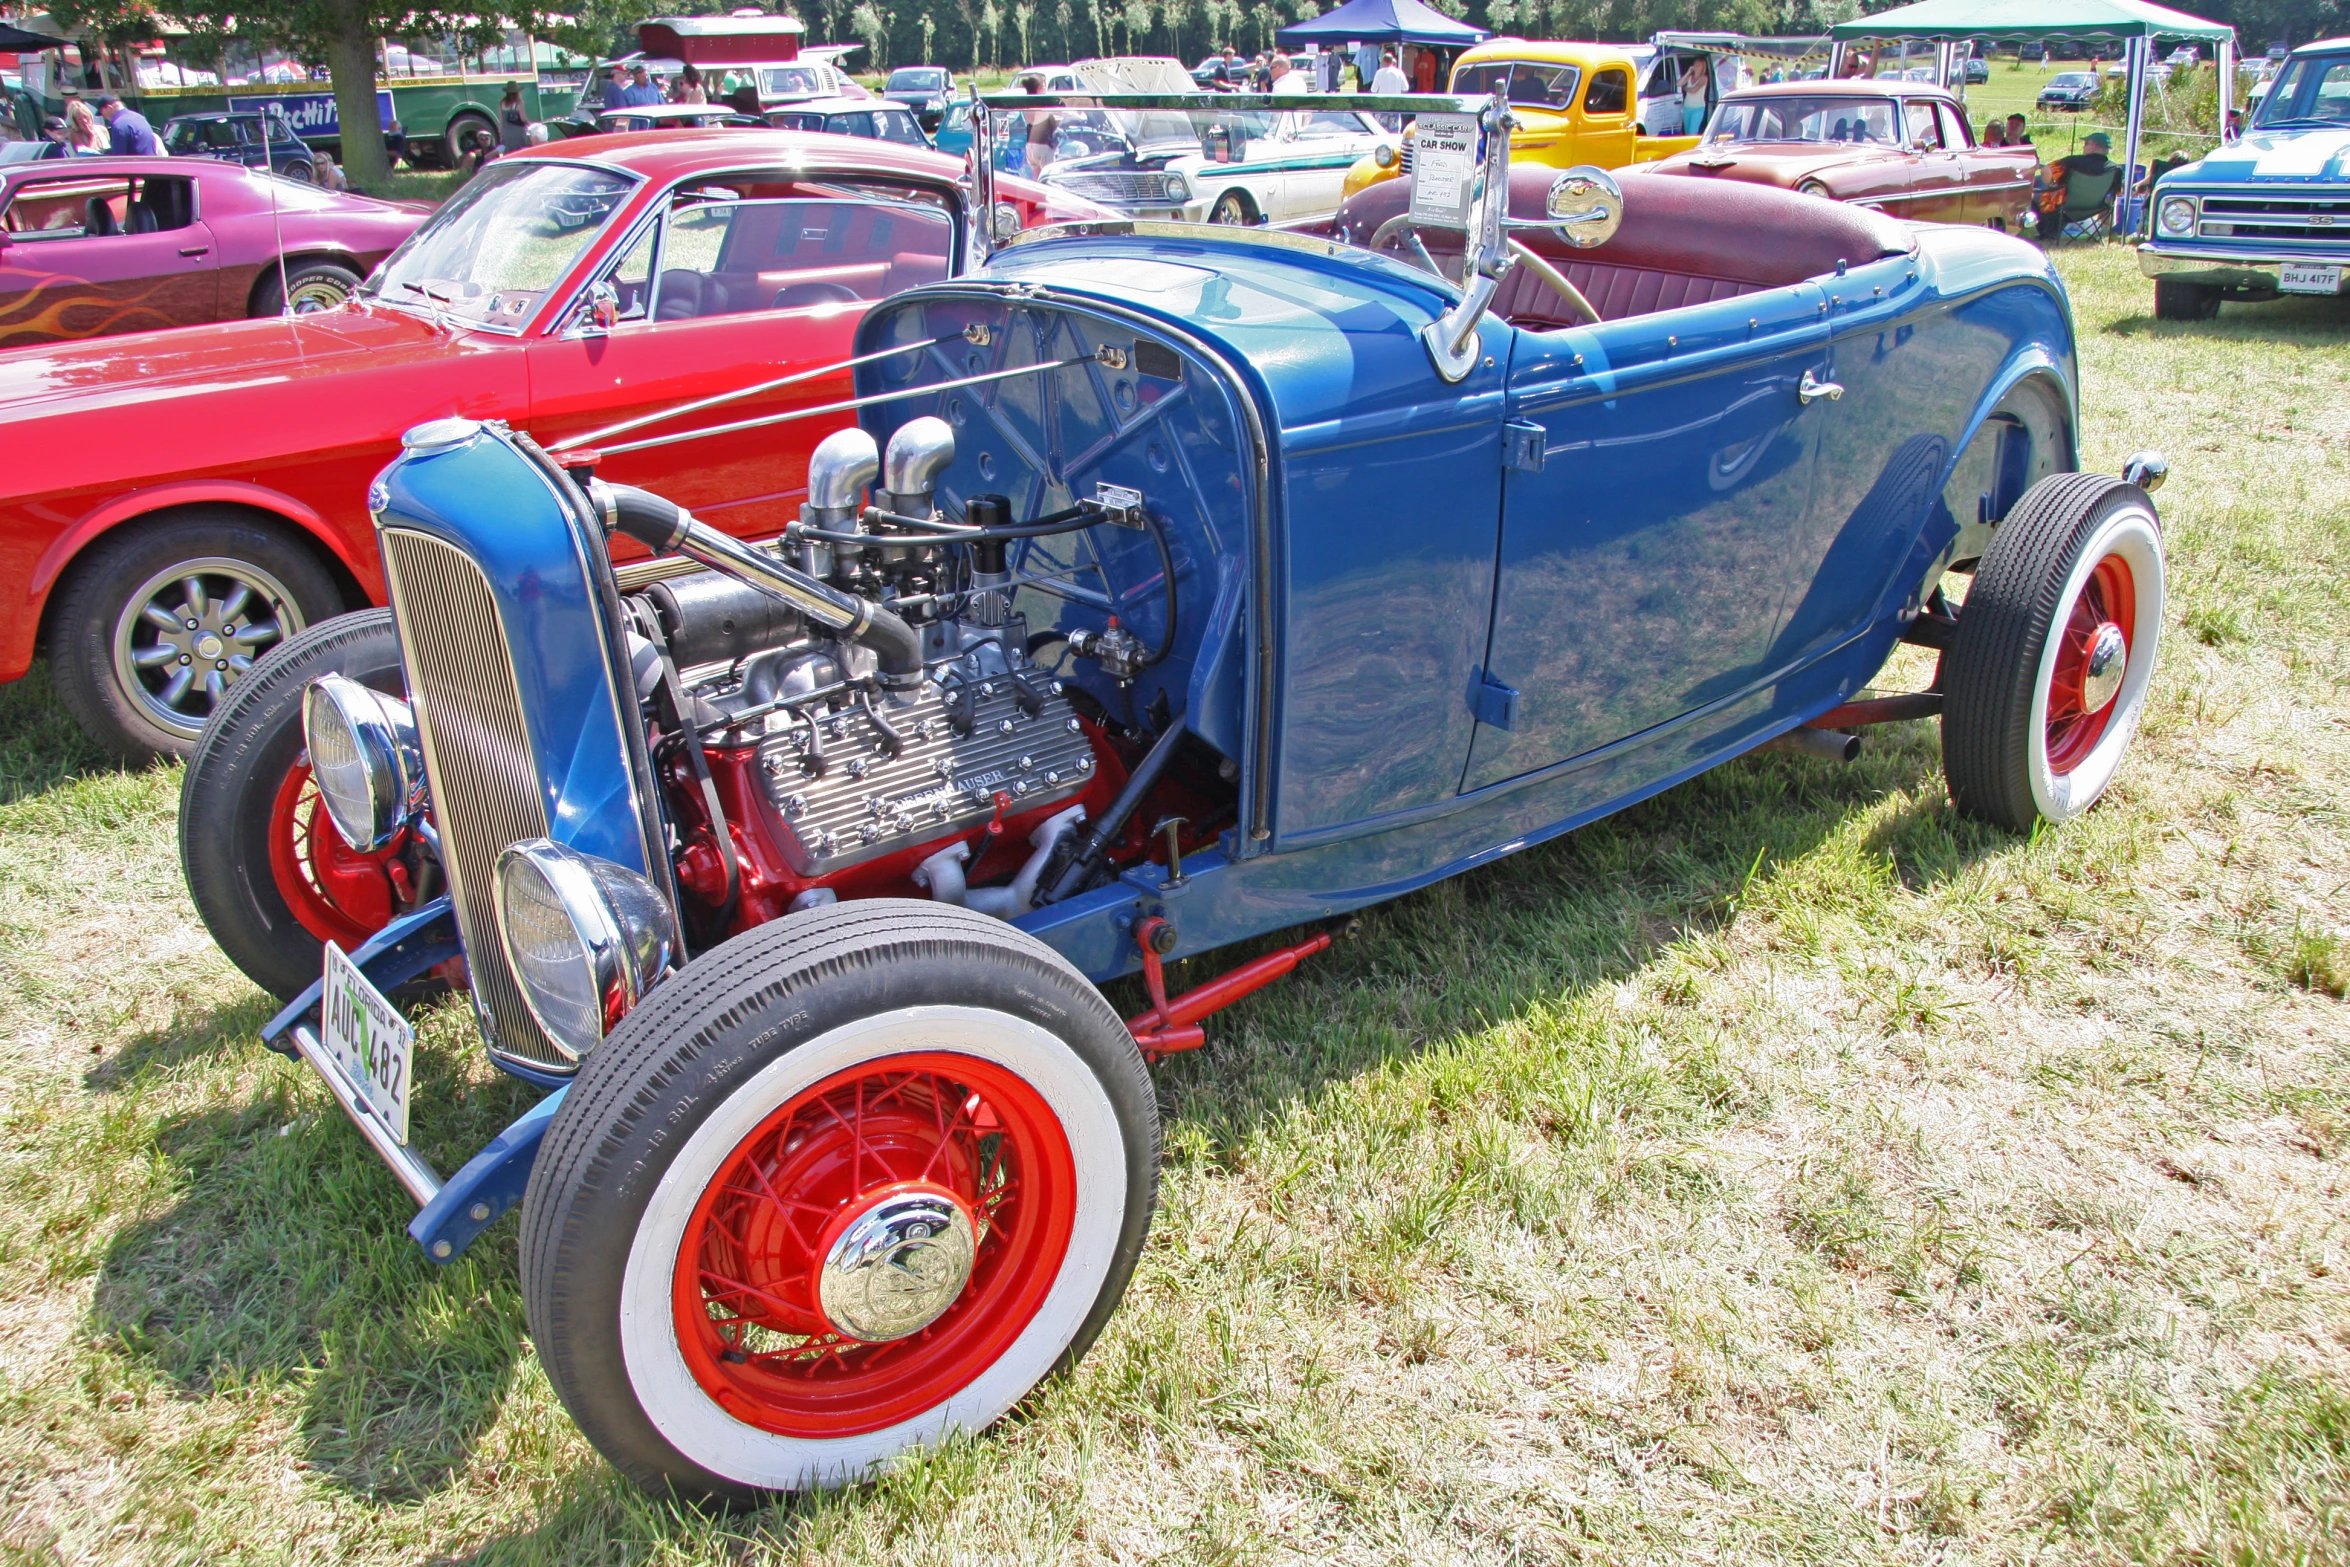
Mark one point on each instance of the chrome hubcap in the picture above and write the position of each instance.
(898, 1264)
(189, 633)
(2101, 676)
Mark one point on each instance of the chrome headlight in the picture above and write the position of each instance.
(586, 938)
(2175, 216)
(364, 759)
(1177, 188)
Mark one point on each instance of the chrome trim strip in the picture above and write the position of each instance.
(484, 775)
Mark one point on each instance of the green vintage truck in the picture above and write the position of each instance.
(440, 91)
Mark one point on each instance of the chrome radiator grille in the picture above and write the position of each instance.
(2276, 217)
(1118, 187)
(477, 758)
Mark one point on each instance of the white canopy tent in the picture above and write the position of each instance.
(2135, 24)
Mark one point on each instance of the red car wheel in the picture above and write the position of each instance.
(337, 893)
(846, 1184)
(2047, 674)
(874, 1245)
(270, 876)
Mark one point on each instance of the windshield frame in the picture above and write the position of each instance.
(374, 292)
(1889, 102)
(2294, 79)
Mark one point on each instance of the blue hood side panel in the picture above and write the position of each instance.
(497, 506)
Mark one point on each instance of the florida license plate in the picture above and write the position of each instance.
(367, 1038)
(2308, 277)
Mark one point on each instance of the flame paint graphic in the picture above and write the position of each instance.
(39, 314)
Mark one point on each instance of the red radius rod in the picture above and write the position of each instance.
(1170, 1026)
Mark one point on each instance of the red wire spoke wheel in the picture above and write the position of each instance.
(874, 1244)
(336, 892)
(269, 874)
(852, 1181)
(2047, 674)
(2092, 651)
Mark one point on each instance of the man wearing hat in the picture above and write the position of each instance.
(2093, 162)
(127, 131)
(641, 93)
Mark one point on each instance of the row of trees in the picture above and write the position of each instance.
(977, 34)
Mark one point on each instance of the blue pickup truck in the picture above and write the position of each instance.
(2267, 214)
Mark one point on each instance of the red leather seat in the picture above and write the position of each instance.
(1682, 242)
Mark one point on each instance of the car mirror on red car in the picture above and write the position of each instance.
(603, 307)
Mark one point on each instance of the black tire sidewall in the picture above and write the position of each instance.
(230, 789)
(709, 1031)
(98, 585)
(274, 290)
(1991, 673)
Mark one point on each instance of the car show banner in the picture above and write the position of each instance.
(1444, 170)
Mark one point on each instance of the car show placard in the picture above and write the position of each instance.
(1444, 170)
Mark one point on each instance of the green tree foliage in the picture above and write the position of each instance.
(344, 35)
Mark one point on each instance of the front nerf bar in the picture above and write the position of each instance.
(455, 1211)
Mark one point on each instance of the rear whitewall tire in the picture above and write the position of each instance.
(694, 1423)
(2132, 533)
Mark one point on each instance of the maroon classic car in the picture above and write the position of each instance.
(1899, 146)
(94, 246)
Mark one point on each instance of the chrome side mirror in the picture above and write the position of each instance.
(603, 312)
(1585, 206)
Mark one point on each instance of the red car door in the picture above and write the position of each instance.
(738, 282)
(86, 254)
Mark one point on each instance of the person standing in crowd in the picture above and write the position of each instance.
(1287, 80)
(128, 135)
(2017, 135)
(1044, 127)
(1424, 71)
(1994, 133)
(1390, 78)
(395, 143)
(640, 92)
(1693, 85)
(513, 124)
(616, 88)
(83, 133)
(690, 88)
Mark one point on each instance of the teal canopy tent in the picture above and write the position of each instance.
(2135, 24)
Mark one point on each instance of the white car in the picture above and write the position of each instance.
(1280, 168)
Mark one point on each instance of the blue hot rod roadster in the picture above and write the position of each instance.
(1174, 587)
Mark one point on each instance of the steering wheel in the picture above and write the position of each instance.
(1384, 239)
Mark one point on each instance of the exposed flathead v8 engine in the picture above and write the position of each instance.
(861, 699)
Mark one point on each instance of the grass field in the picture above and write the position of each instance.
(1783, 1170)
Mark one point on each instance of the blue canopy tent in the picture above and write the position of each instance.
(1382, 22)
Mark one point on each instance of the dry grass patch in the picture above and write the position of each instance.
(1786, 1169)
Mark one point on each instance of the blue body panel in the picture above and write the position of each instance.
(1431, 624)
(1694, 562)
(499, 507)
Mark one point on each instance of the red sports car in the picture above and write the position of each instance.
(175, 505)
(95, 246)
(1903, 147)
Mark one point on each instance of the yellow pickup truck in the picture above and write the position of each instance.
(1574, 103)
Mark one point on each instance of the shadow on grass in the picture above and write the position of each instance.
(41, 746)
(286, 1261)
(2305, 317)
(1545, 927)
(210, 1033)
